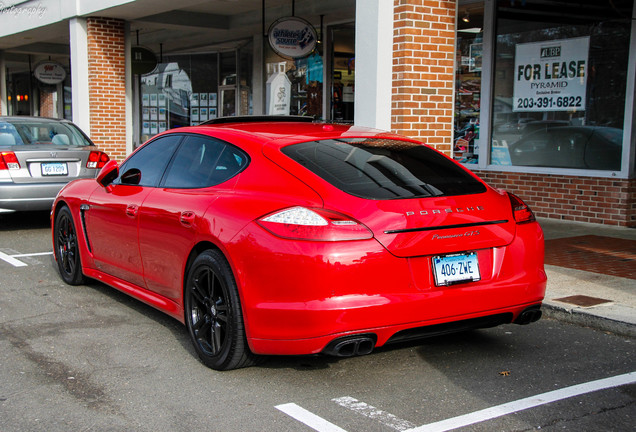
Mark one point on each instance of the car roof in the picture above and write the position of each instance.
(283, 131)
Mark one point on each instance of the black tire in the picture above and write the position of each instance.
(66, 248)
(213, 314)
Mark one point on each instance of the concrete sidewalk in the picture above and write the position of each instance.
(591, 298)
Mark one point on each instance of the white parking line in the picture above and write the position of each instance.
(374, 413)
(32, 254)
(11, 259)
(14, 262)
(312, 420)
(321, 425)
(523, 404)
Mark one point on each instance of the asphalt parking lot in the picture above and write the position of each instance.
(90, 358)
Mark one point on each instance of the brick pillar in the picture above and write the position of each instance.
(107, 84)
(47, 104)
(423, 71)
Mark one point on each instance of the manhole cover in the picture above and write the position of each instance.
(583, 300)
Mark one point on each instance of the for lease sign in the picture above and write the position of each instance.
(551, 75)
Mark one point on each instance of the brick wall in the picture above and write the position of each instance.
(107, 84)
(582, 199)
(423, 74)
(47, 104)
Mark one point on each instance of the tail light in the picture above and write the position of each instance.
(8, 160)
(97, 160)
(300, 223)
(520, 210)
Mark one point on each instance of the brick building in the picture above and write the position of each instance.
(537, 97)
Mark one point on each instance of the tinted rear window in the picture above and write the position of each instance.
(383, 169)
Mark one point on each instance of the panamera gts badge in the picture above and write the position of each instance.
(444, 210)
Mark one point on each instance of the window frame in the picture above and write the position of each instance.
(628, 168)
(184, 140)
(123, 169)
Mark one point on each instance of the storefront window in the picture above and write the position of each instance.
(245, 70)
(559, 83)
(228, 83)
(19, 93)
(27, 95)
(294, 87)
(185, 90)
(174, 94)
(343, 73)
(468, 81)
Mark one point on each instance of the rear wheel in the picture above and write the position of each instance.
(213, 314)
(67, 248)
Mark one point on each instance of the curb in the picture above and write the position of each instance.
(586, 318)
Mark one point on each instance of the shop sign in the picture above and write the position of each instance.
(551, 75)
(142, 60)
(292, 37)
(50, 72)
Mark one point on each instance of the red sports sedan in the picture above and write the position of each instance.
(282, 236)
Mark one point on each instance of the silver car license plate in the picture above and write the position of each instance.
(54, 169)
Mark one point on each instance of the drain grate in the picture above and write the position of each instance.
(583, 300)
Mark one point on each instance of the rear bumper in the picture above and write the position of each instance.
(315, 293)
(28, 197)
(376, 337)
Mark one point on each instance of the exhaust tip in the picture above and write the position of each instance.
(350, 346)
(529, 315)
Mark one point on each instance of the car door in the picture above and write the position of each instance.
(173, 215)
(112, 219)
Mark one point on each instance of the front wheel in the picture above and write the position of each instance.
(66, 248)
(213, 314)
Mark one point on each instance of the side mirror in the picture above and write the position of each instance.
(131, 177)
(108, 173)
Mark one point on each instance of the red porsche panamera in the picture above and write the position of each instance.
(273, 236)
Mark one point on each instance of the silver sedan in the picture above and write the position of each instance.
(38, 156)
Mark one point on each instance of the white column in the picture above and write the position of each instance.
(129, 90)
(3, 85)
(374, 62)
(79, 74)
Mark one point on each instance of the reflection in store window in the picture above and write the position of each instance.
(294, 87)
(468, 82)
(343, 73)
(559, 85)
(186, 90)
(165, 99)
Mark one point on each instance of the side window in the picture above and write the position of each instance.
(203, 162)
(149, 162)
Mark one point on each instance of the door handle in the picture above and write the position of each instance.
(187, 218)
(131, 210)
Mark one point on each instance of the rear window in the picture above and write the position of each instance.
(34, 132)
(383, 169)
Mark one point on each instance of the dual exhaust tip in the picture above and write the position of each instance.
(350, 346)
(363, 344)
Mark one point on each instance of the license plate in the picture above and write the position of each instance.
(457, 268)
(54, 169)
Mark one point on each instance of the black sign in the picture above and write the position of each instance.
(142, 60)
(553, 51)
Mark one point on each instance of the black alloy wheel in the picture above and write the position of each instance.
(66, 248)
(213, 314)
